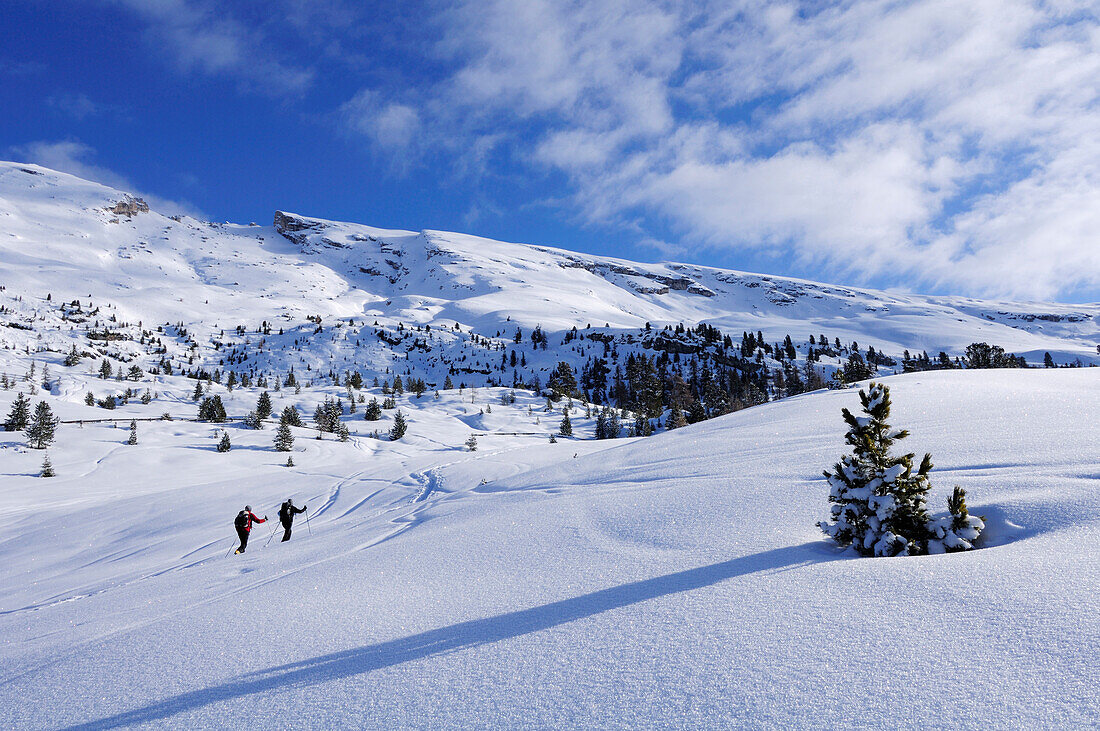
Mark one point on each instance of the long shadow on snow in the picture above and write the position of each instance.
(473, 633)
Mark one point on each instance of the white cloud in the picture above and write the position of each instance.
(206, 38)
(74, 157)
(932, 143)
(389, 125)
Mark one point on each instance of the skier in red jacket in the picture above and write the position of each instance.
(243, 523)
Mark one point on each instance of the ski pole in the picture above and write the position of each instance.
(308, 526)
(273, 532)
(227, 552)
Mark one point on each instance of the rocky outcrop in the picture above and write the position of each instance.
(129, 206)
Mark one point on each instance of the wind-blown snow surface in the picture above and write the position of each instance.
(674, 581)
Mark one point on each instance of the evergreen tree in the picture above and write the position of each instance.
(19, 414)
(676, 418)
(42, 427)
(878, 500)
(399, 426)
(1048, 362)
(373, 412)
(566, 429)
(342, 432)
(225, 445)
(105, 369)
(290, 417)
(263, 406)
(252, 421)
(284, 440)
(47, 467)
(89, 399)
(133, 433)
(198, 392)
(471, 443)
(73, 357)
(959, 530)
(448, 383)
(211, 409)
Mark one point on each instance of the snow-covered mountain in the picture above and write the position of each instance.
(80, 241)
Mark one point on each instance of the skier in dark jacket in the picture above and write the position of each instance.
(286, 516)
(243, 523)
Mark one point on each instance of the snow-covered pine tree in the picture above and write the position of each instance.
(957, 531)
(399, 426)
(19, 414)
(373, 411)
(471, 443)
(225, 445)
(289, 461)
(878, 500)
(566, 428)
(342, 432)
(263, 406)
(252, 420)
(133, 433)
(284, 440)
(42, 427)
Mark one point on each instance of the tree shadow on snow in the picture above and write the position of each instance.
(473, 633)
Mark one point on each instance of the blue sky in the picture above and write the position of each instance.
(934, 145)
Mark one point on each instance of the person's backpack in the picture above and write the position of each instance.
(241, 521)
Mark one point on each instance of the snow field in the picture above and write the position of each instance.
(674, 581)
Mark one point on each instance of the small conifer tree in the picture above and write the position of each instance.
(42, 427)
(211, 409)
(373, 411)
(878, 499)
(566, 428)
(957, 531)
(342, 432)
(252, 420)
(225, 445)
(471, 443)
(289, 461)
(290, 417)
(399, 426)
(133, 433)
(284, 440)
(19, 414)
(263, 406)
(47, 467)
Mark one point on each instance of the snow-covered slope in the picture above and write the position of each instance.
(675, 581)
(64, 236)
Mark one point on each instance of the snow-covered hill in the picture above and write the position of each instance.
(81, 241)
(674, 581)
